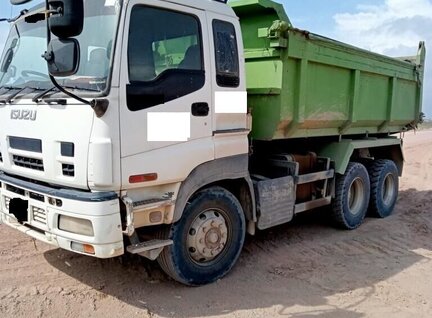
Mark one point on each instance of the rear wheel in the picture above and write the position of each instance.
(384, 180)
(207, 240)
(352, 197)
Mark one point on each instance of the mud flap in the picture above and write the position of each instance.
(275, 201)
(19, 208)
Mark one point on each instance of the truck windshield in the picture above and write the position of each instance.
(23, 65)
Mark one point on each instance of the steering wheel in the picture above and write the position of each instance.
(29, 73)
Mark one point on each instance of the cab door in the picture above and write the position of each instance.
(230, 119)
(165, 86)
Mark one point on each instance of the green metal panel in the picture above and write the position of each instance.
(304, 85)
(341, 152)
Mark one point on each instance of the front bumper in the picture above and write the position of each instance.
(46, 204)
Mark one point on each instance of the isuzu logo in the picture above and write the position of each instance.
(23, 114)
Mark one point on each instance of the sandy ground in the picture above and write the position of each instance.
(304, 269)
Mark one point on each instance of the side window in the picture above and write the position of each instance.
(226, 52)
(164, 55)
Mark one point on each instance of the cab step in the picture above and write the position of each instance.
(147, 204)
(149, 249)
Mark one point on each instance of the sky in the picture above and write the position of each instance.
(391, 27)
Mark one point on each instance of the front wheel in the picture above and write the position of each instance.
(207, 240)
(352, 197)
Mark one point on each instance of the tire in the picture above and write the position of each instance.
(207, 240)
(384, 178)
(351, 200)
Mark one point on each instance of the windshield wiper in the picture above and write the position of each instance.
(8, 89)
(37, 99)
(40, 96)
(12, 96)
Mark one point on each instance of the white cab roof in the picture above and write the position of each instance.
(207, 5)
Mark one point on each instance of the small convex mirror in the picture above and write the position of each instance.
(69, 19)
(8, 57)
(63, 57)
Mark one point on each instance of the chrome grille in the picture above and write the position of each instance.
(39, 215)
(30, 163)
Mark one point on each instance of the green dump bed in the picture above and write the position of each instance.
(304, 85)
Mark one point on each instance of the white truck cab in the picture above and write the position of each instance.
(167, 86)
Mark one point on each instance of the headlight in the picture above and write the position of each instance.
(75, 225)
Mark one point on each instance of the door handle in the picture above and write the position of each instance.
(200, 109)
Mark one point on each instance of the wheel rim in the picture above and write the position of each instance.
(207, 237)
(388, 190)
(355, 196)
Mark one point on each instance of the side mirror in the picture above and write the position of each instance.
(8, 57)
(6, 61)
(69, 19)
(63, 57)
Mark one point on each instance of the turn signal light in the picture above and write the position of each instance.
(143, 178)
(89, 249)
(83, 248)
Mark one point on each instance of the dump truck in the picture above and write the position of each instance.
(171, 129)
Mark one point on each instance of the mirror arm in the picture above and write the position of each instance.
(49, 13)
(10, 20)
(70, 94)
